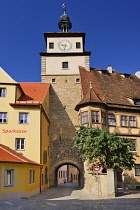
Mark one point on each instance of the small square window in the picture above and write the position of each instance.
(65, 65)
(51, 45)
(53, 80)
(23, 118)
(3, 117)
(78, 45)
(20, 144)
(77, 80)
(2, 92)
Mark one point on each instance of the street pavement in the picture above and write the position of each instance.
(71, 197)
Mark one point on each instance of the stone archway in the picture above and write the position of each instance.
(54, 170)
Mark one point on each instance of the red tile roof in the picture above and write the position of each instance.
(109, 88)
(11, 156)
(34, 93)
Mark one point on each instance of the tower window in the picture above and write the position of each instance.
(51, 45)
(65, 65)
(53, 80)
(78, 45)
(77, 80)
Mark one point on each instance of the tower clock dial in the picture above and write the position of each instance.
(65, 45)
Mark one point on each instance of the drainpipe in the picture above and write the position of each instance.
(40, 177)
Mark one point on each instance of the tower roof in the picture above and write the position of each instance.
(65, 25)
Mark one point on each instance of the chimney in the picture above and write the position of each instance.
(110, 69)
(138, 74)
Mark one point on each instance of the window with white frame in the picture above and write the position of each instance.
(84, 117)
(2, 92)
(111, 119)
(31, 176)
(95, 116)
(9, 177)
(23, 118)
(137, 169)
(3, 117)
(20, 143)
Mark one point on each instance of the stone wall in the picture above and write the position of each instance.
(65, 93)
(96, 184)
(101, 184)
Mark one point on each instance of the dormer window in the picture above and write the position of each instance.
(137, 102)
(104, 72)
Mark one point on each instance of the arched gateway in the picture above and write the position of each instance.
(60, 67)
(61, 163)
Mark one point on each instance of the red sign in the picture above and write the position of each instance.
(96, 167)
(13, 131)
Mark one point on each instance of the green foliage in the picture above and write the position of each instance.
(108, 149)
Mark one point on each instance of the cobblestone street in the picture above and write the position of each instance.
(70, 197)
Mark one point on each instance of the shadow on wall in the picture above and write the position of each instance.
(62, 130)
(61, 127)
(130, 182)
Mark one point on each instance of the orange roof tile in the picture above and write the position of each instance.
(34, 93)
(11, 156)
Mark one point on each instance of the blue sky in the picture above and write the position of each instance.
(112, 30)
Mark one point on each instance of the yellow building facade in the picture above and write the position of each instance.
(24, 121)
(19, 176)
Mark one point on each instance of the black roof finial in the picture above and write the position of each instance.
(64, 8)
(65, 25)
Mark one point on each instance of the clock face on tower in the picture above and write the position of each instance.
(65, 45)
